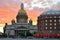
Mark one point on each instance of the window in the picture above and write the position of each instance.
(50, 20)
(59, 16)
(59, 20)
(50, 23)
(46, 24)
(45, 27)
(54, 23)
(50, 31)
(50, 27)
(54, 20)
(45, 20)
(54, 16)
(50, 17)
(54, 27)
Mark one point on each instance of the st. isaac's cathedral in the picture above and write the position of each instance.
(21, 24)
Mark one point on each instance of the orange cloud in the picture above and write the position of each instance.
(33, 14)
(7, 14)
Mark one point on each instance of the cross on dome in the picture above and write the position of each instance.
(22, 6)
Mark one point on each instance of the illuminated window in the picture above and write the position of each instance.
(54, 16)
(54, 20)
(46, 24)
(59, 20)
(50, 20)
(54, 27)
(54, 23)
(50, 23)
(59, 16)
(50, 31)
(45, 20)
(46, 27)
(50, 17)
(50, 27)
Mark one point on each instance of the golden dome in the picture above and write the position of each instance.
(22, 11)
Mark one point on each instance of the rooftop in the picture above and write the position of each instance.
(51, 12)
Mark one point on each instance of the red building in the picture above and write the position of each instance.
(49, 22)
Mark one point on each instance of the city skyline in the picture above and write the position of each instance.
(9, 9)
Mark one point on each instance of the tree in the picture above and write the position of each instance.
(21, 33)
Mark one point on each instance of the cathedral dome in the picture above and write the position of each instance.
(21, 11)
(22, 15)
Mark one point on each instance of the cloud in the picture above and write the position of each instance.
(10, 7)
(9, 0)
(29, 4)
(41, 4)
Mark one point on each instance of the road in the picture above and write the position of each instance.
(24, 39)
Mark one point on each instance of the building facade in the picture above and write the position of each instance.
(21, 24)
(49, 22)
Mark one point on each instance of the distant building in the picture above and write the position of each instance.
(21, 25)
(49, 22)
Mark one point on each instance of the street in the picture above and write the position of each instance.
(25, 39)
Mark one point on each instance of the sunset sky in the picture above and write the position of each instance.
(9, 9)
